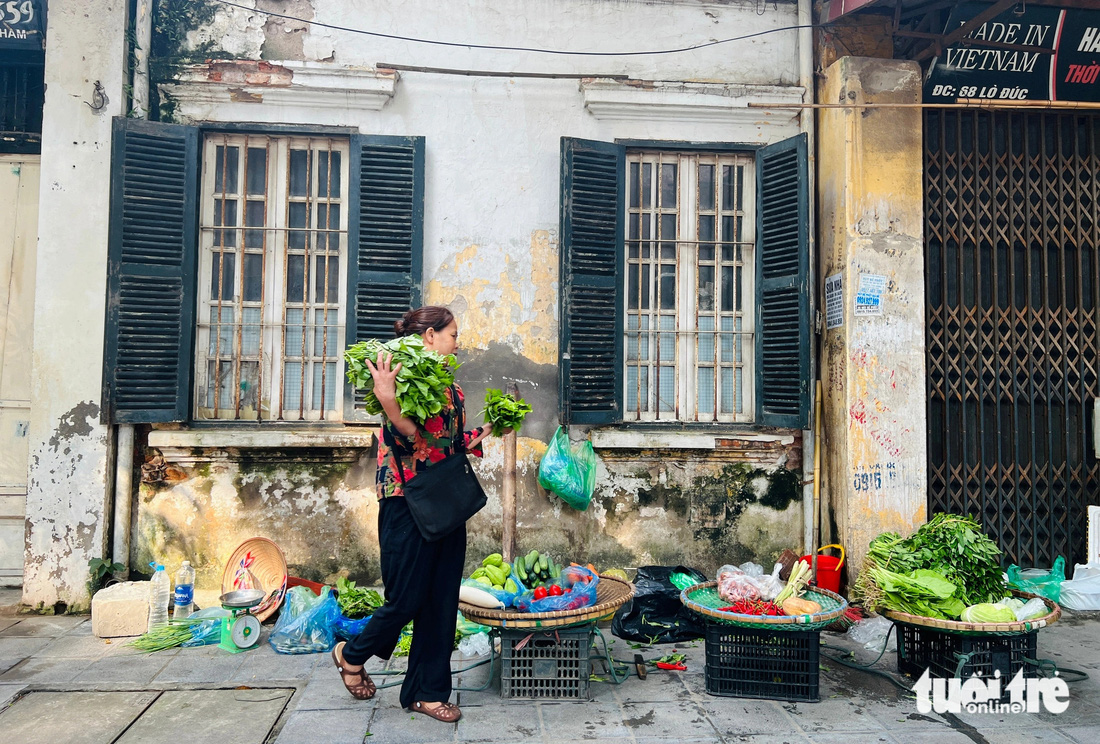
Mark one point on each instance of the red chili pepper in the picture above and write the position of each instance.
(681, 667)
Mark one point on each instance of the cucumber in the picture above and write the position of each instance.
(544, 563)
(520, 571)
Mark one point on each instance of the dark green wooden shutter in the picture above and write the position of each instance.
(784, 336)
(385, 239)
(152, 250)
(592, 276)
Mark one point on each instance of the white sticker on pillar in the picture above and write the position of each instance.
(869, 294)
(834, 301)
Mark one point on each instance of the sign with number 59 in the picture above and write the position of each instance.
(22, 24)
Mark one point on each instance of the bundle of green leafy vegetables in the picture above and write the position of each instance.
(914, 574)
(503, 411)
(422, 381)
(356, 601)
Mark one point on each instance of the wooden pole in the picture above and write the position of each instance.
(508, 497)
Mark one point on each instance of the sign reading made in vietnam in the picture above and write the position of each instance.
(23, 25)
(1042, 54)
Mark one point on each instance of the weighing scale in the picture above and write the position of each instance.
(241, 630)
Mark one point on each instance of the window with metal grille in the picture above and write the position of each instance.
(273, 268)
(22, 93)
(689, 287)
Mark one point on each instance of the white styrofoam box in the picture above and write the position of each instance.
(121, 610)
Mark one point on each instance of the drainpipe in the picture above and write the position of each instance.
(143, 38)
(806, 125)
(124, 439)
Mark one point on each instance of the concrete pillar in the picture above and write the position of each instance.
(70, 450)
(873, 364)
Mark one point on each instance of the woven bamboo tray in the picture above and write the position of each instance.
(981, 629)
(704, 599)
(611, 594)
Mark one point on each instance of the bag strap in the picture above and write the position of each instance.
(460, 415)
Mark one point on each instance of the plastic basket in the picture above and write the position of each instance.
(752, 663)
(948, 655)
(545, 664)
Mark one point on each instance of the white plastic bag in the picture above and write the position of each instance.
(1083, 591)
(1032, 609)
(871, 632)
(474, 645)
(770, 585)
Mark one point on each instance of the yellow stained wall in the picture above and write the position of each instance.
(873, 373)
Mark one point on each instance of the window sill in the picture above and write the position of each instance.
(672, 439)
(180, 444)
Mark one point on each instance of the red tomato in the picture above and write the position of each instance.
(569, 590)
(556, 591)
(540, 592)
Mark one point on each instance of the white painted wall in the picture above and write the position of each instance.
(69, 448)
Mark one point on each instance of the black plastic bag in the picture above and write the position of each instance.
(656, 614)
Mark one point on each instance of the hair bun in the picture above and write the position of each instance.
(399, 328)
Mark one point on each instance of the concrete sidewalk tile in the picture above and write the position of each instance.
(397, 726)
(935, 737)
(690, 740)
(583, 720)
(658, 687)
(680, 719)
(51, 717)
(833, 714)
(22, 647)
(737, 716)
(779, 737)
(1038, 735)
(238, 716)
(312, 726)
(45, 671)
(122, 670)
(8, 693)
(1080, 712)
(74, 647)
(327, 692)
(7, 622)
(1080, 734)
(7, 663)
(264, 668)
(478, 698)
(515, 723)
(847, 738)
(210, 669)
(37, 626)
(902, 715)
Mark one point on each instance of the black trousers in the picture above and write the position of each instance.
(421, 580)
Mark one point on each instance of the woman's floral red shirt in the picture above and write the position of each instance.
(432, 442)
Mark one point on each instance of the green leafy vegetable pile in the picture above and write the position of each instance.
(912, 574)
(503, 411)
(422, 382)
(355, 601)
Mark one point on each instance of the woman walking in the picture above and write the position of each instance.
(421, 578)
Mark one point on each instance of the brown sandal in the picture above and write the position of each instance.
(446, 712)
(365, 688)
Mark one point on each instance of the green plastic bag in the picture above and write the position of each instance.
(569, 471)
(1037, 581)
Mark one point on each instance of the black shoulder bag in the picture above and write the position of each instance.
(446, 494)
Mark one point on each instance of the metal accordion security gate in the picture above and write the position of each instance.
(1012, 235)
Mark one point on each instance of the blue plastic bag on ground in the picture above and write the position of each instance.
(346, 628)
(306, 623)
(581, 584)
(568, 471)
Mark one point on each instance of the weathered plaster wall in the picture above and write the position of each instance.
(68, 489)
(873, 366)
(491, 253)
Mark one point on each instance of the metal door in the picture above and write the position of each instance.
(1012, 228)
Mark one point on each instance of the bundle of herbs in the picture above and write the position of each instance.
(422, 381)
(913, 574)
(503, 411)
(355, 601)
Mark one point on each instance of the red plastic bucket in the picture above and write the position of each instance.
(828, 568)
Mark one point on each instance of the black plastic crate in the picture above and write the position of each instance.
(545, 664)
(939, 652)
(771, 664)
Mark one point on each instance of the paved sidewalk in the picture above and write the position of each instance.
(58, 683)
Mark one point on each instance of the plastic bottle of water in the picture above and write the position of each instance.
(159, 589)
(185, 592)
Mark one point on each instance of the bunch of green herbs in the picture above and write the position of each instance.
(503, 411)
(952, 547)
(422, 381)
(356, 601)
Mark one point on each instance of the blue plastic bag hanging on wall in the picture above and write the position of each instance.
(568, 471)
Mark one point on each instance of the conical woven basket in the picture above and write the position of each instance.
(257, 563)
